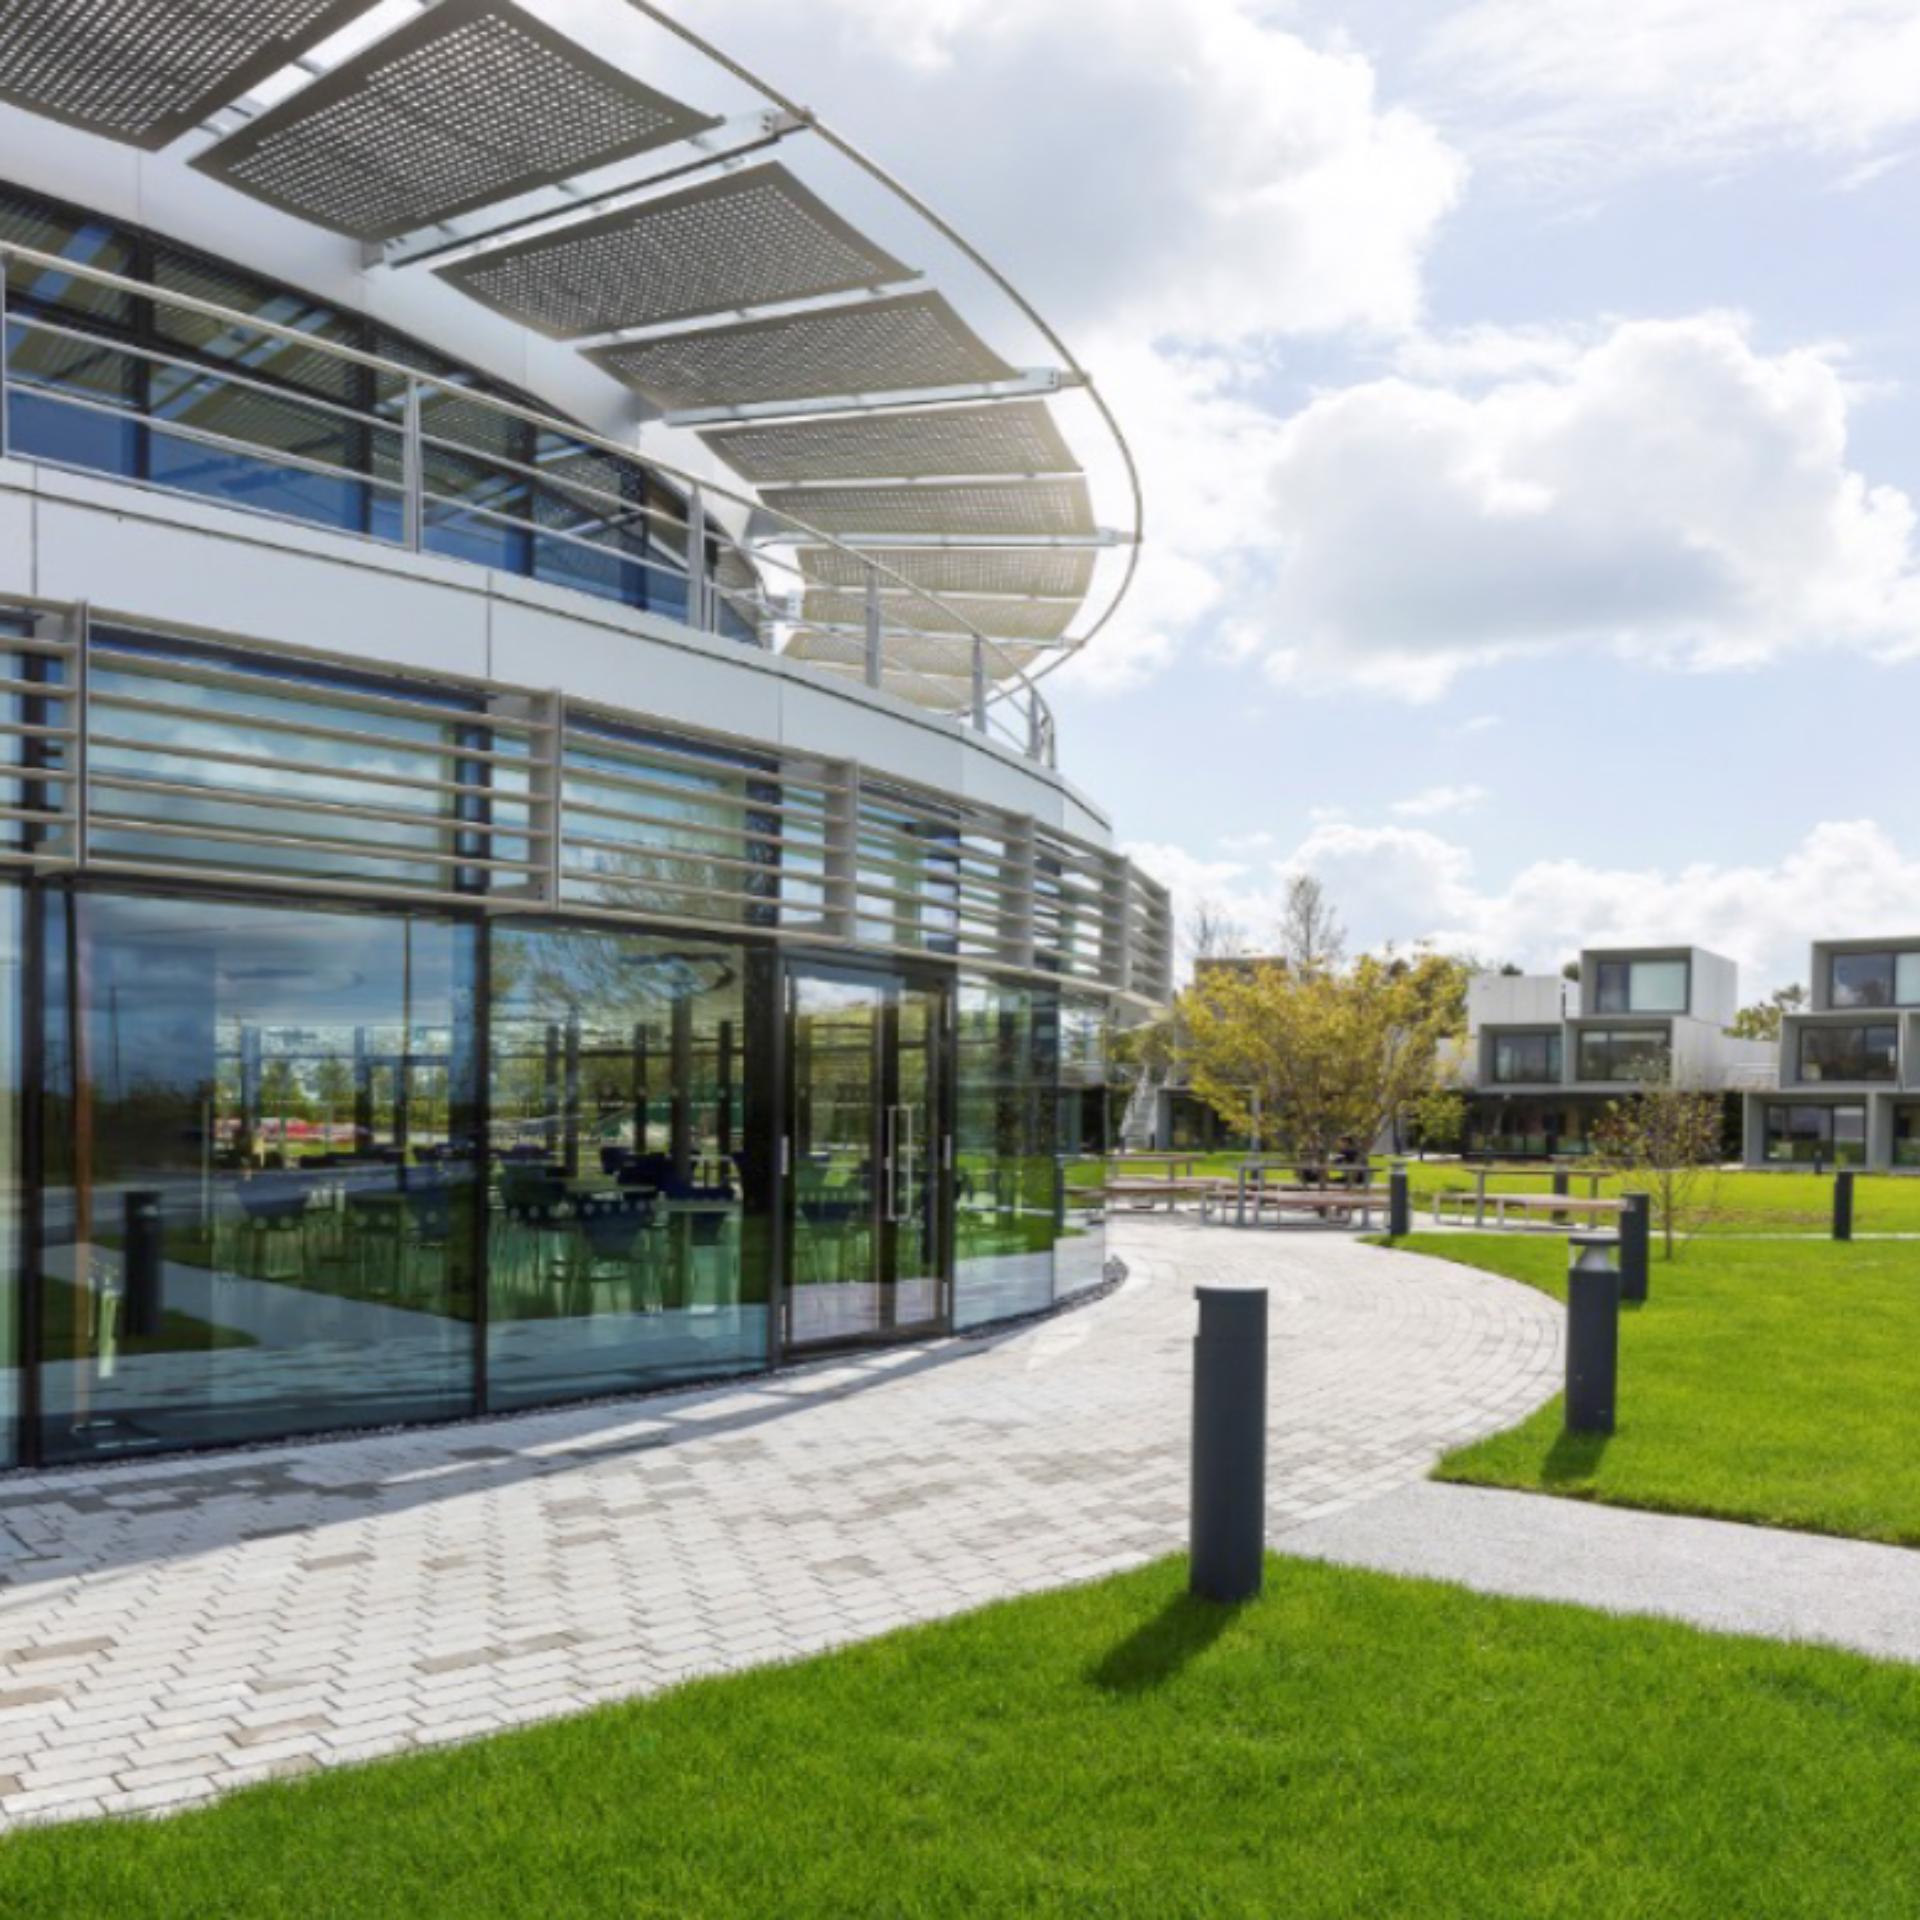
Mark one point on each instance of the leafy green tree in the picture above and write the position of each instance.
(1761, 1021)
(1664, 1140)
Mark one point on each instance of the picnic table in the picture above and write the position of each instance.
(1554, 1205)
(1481, 1175)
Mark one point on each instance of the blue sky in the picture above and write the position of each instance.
(1529, 397)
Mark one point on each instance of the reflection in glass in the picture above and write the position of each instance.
(1526, 1059)
(621, 1251)
(1624, 1054)
(1849, 1052)
(1007, 1193)
(1863, 980)
(260, 1181)
(10, 1194)
(1798, 1134)
(1080, 1253)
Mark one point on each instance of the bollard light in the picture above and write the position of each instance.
(1636, 1247)
(1229, 1486)
(1593, 1333)
(1843, 1204)
(1399, 1204)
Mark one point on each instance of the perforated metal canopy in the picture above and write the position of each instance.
(946, 571)
(898, 345)
(146, 71)
(953, 614)
(1005, 438)
(742, 240)
(1021, 508)
(467, 105)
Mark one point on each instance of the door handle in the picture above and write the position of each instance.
(889, 1165)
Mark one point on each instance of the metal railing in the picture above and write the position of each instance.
(408, 449)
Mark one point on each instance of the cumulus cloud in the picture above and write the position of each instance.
(1405, 884)
(1673, 494)
(1585, 87)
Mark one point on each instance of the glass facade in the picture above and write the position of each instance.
(260, 1172)
(278, 1168)
(1526, 1059)
(626, 1214)
(1802, 1133)
(1007, 1186)
(1623, 1054)
(1849, 1052)
(1641, 986)
(1873, 980)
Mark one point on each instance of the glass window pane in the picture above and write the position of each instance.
(1613, 991)
(10, 1194)
(621, 1250)
(1862, 980)
(1848, 1052)
(261, 1190)
(1080, 1254)
(1906, 979)
(1008, 1197)
(1658, 986)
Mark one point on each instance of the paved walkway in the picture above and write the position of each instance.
(1710, 1573)
(174, 1629)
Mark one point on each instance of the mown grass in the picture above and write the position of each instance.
(1349, 1745)
(1771, 1381)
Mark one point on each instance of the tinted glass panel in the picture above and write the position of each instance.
(1080, 1254)
(1008, 1198)
(1520, 1058)
(621, 1249)
(11, 1209)
(1862, 980)
(1906, 979)
(1848, 1053)
(1623, 1054)
(1799, 1134)
(261, 1187)
(1658, 986)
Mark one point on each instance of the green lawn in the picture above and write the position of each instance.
(1350, 1745)
(1772, 1381)
(1738, 1202)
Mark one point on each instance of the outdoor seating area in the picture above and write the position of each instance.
(1256, 1191)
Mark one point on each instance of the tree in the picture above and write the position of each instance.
(1324, 1055)
(1761, 1021)
(1211, 932)
(1440, 1118)
(1311, 938)
(1661, 1139)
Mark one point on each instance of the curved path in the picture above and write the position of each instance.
(176, 1628)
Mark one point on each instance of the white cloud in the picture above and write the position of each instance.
(1406, 884)
(1585, 87)
(1674, 494)
(1431, 802)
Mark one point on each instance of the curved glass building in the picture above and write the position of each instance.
(532, 863)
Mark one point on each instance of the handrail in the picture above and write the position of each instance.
(1016, 679)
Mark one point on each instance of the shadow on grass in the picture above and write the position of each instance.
(1572, 1457)
(1155, 1653)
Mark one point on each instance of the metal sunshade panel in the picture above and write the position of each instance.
(1013, 436)
(999, 619)
(467, 105)
(1059, 573)
(1018, 508)
(147, 71)
(932, 655)
(900, 345)
(739, 240)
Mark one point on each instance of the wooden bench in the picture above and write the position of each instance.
(1149, 1191)
(1592, 1205)
(1327, 1202)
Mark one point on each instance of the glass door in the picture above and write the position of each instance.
(867, 1154)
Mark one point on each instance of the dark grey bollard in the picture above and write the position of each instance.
(1229, 1493)
(1843, 1204)
(141, 1253)
(1636, 1247)
(1562, 1187)
(1399, 1204)
(1593, 1333)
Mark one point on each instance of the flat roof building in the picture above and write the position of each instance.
(534, 857)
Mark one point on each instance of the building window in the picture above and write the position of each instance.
(1874, 980)
(1836, 1136)
(261, 1172)
(1080, 1139)
(1526, 1059)
(628, 1204)
(1624, 1054)
(1849, 1052)
(1641, 986)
